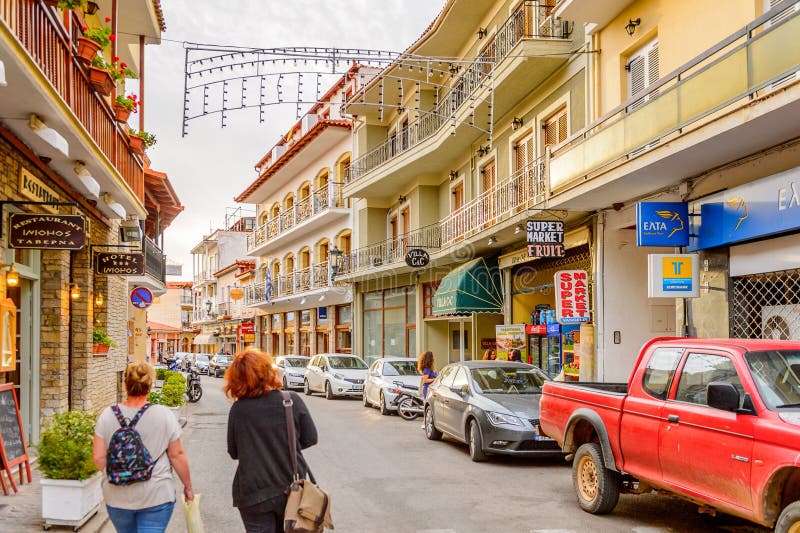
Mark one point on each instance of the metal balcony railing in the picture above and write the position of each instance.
(186, 300)
(391, 250)
(321, 199)
(50, 46)
(224, 309)
(532, 19)
(314, 277)
(155, 262)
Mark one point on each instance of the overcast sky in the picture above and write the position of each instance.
(212, 165)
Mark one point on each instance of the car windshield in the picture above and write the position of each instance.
(295, 362)
(507, 380)
(777, 376)
(400, 368)
(201, 359)
(225, 359)
(347, 362)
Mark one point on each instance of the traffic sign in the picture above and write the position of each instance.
(141, 297)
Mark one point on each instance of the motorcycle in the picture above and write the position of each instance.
(193, 389)
(408, 402)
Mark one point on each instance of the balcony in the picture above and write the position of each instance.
(504, 204)
(530, 45)
(678, 127)
(99, 140)
(186, 300)
(306, 287)
(318, 209)
(155, 268)
(224, 310)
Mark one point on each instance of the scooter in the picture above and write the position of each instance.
(193, 389)
(408, 402)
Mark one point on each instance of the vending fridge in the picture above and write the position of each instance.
(537, 345)
(553, 349)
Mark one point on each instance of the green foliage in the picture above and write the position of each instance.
(173, 390)
(118, 71)
(148, 138)
(101, 35)
(99, 337)
(161, 373)
(70, 4)
(175, 377)
(128, 102)
(65, 451)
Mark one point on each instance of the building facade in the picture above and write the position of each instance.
(66, 158)
(169, 321)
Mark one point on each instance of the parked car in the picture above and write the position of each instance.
(493, 406)
(715, 421)
(200, 363)
(292, 370)
(218, 365)
(384, 377)
(335, 375)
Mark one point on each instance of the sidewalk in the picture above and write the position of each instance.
(23, 511)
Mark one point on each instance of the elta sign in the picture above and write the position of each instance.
(572, 296)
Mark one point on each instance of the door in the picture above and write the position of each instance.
(488, 181)
(314, 373)
(690, 430)
(457, 338)
(456, 405)
(440, 396)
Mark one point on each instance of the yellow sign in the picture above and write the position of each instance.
(34, 189)
(676, 267)
(673, 275)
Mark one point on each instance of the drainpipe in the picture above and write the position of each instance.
(141, 82)
(69, 331)
(599, 296)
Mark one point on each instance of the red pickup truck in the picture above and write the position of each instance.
(715, 421)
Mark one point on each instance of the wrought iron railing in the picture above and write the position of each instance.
(326, 197)
(532, 19)
(155, 262)
(391, 250)
(186, 300)
(224, 309)
(314, 277)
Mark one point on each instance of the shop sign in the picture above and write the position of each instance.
(489, 344)
(322, 313)
(249, 338)
(673, 275)
(247, 328)
(545, 238)
(536, 329)
(47, 232)
(511, 337)
(34, 189)
(572, 296)
(662, 224)
(764, 207)
(417, 258)
(119, 264)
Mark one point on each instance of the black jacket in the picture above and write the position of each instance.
(257, 438)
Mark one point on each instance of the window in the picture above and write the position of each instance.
(659, 371)
(555, 128)
(524, 153)
(448, 375)
(428, 292)
(700, 370)
(388, 317)
(305, 318)
(457, 196)
(643, 72)
(460, 380)
(344, 334)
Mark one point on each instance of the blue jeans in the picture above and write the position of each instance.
(149, 520)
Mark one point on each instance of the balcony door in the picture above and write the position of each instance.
(524, 186)
(488, 182)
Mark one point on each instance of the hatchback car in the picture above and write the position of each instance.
(200, 363)
(385, 376)
(292, 370)
(218, 365)
(335, 375)
(493, 406)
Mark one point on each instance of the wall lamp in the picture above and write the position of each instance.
(401, 199)
(630, 27)
(482, 32)
(91, 7)
(454, 69)
(518, 229)
(98, 299)
(483, 150)
(453, 175)
(12, 276)
(492, 241)
(516, 123)
(74, 291)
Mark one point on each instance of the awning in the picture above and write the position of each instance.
(204, 339)
(474, 287)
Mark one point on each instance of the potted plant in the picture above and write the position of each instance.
(69, 5)
(124, 106)
(101, 342)
(100, 76)
(172, 393)
(94, 40)
(71, 491)
(140, 141)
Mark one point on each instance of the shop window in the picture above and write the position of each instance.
(276, 321)
(289, 343)
(305, 343)
(344, 341)
(305, 318)
(388, 319)
(290, 320)
(344, 314)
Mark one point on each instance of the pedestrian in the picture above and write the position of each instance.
(515, 355)
(144, 505)
(257, 437)
(426, 368)
(489, 355)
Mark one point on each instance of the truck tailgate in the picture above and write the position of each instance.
(561, 400)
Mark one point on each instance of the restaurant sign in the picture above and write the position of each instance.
(545, 238)
(119, 264)
(47, 232)
(35, 189)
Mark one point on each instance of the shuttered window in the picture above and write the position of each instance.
(523, 153)
(555, 128)
(487, 176)
(643, 71)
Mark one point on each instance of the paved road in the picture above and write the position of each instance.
(385, 477)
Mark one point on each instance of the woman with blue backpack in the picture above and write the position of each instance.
(138, 445)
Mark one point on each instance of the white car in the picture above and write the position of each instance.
(335, 374)
(292, 370)
(200, 363)
(384, 376)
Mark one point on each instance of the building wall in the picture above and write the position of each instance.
(166, 309)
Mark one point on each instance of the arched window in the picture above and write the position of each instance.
(304, 191)
(288, 201)
(344, 241)
(322, 178)
(275, 210)
(304, 258)
(321, 251)
(343, 168)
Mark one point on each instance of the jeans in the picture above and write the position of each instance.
(264, 517)
(148, 520)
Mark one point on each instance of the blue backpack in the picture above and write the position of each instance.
(127, 459)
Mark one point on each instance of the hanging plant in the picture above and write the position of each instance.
(101, 35)
(70, 5)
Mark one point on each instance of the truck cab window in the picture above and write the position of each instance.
(700, 370)
(659, 371)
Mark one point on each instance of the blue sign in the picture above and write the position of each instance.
(322, 313)
(764, 207)
(141, 297)
(662, 224)
(553, 329)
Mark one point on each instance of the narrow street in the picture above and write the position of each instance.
(385, 477)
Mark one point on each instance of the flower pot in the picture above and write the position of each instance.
(101, 80)
(68, 502)
(136, 144)
(121, 113)
(100, 348)
(87, 49)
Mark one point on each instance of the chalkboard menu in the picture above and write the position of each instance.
(10, 430)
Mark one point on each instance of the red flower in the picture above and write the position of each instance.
(84, 28)
(115, 58)
(112, 37)
(123, 65)
(108, 19)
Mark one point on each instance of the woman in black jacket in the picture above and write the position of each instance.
(257, 438)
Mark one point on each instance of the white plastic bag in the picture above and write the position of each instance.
(191, 510)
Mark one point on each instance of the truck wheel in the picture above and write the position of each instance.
(789, 520)
(596, 486)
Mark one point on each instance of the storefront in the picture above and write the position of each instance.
(389, 323)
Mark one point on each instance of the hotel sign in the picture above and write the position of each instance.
(34, 189)
(47, 232)
(119, 264)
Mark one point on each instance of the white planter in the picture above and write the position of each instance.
(68, 502)
(177, 412)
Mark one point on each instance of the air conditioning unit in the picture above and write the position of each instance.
(780, 322)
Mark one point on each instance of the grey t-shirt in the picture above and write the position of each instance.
(158, 428)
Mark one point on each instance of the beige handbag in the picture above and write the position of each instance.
(308, 508)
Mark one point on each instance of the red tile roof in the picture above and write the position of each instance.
(160, 14)
(161, 327)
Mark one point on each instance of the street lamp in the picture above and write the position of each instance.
(208, 305)
(336, 258)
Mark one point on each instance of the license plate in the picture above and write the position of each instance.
(541, 437)
(358, 387)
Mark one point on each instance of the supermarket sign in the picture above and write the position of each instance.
(572, 296)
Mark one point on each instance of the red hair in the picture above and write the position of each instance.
(250, 375)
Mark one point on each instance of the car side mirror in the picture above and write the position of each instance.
(462, 390)
(722, 395)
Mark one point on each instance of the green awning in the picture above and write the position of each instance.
(474, 287)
